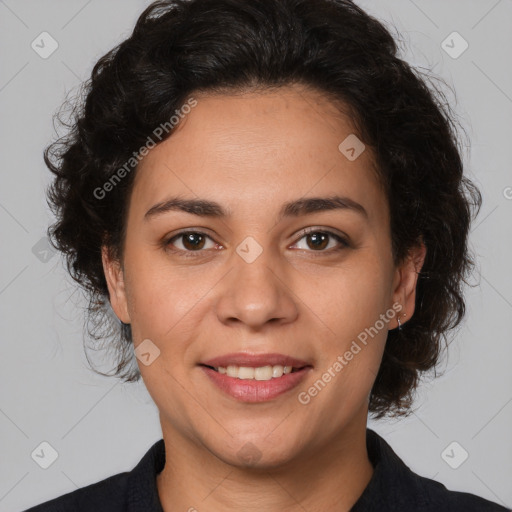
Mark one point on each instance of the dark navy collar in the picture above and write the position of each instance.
(388, 469)
(142, 490)
(393, 486)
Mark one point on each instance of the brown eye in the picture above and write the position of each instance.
(189, 241)
(318, 241)
(193, 241)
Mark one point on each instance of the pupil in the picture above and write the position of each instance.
(319, 240)
(189, 239)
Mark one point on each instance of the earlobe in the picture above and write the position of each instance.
(405, 290)
(116, 285)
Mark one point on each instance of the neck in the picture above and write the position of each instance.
(332, 478)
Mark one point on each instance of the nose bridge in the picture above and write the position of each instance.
(255, 291)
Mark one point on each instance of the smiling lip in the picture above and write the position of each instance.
(255, 360)
(255, 390)
(248, 390)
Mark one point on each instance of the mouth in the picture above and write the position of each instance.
(255, 384)
(261, 373)
(253, 378)
(262, 367)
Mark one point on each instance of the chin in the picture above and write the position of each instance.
(257, 453)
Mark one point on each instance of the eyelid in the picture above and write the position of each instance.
(320, 229)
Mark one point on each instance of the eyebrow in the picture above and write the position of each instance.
(303, 206)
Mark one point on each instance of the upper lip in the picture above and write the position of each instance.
(255, 360)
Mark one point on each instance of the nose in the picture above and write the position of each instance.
(257, 293)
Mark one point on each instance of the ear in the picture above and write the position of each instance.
(406, 278)
(116, 286)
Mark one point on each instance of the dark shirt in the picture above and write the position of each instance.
(393, 487)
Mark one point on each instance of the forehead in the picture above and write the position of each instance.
(272, 146)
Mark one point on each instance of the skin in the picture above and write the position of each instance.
(252, 153)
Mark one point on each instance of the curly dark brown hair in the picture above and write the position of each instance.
(179, 47)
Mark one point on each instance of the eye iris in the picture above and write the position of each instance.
(195, 239)
(320, 240)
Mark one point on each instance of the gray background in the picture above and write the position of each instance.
(100, 427)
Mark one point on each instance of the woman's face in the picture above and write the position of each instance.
(260, 271)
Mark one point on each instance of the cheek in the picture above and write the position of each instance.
(350, 303)
(350, 297)
(170, 306)
(157, 297)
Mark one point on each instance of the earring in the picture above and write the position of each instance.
(400, 323)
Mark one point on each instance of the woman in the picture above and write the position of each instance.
(273, 205)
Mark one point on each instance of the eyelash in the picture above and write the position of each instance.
(187, 253)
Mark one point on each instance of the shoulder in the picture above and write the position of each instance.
(108, 494)
(395, 487)
(436, 497)
(127, 491)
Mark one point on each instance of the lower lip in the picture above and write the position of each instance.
(252, 390)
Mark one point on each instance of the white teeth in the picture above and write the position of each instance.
(232, 371)
(245, 373)
(261, 373)
(277, 371)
